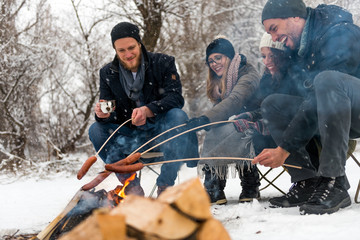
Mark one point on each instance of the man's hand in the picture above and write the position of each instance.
(98, 111)
(272, 157)
(140, 114)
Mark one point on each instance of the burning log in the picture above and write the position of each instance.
(79, 208)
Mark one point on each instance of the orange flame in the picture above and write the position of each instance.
(127, 182)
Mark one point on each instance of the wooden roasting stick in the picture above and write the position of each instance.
(213, 158)
(209, 158)
(91, 160)
(123, 166)
(126, 165)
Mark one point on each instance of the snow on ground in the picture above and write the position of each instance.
(30, 205)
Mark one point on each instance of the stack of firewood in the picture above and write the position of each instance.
(181, 212)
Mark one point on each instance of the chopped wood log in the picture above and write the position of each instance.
(212, 229)
(99, 226)
(190, 198)
(152, 219)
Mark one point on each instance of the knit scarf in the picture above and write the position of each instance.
(133, 86)
(232, 74)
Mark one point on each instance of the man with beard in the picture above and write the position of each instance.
(326, 47)
(146, 88)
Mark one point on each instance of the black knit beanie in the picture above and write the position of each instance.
(283, 9)
(123, 30)
(220, 45)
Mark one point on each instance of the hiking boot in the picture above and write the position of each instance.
(217, 197)
(160, 189)
(329, 196)
(248, 195)
(214, 187)
(250, 183)
(299, 193)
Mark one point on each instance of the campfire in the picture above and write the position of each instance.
(180, 212)
(83, 204)
(118, 194)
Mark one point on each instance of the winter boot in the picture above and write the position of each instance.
(329, 196)
(250, 183)
(214, 187)
(299, 193)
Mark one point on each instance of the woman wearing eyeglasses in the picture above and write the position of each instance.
(231, 83)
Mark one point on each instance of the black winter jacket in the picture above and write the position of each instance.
(330, 41)
(162, 88)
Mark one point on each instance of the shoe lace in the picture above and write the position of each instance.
(322, 190)
(294, 189)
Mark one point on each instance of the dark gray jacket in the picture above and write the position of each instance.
(162, 88)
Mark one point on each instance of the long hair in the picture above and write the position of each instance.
(214, 81)
(282, 61)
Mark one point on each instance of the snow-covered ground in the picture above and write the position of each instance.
(29, 205)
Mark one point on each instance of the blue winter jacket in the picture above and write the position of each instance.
(330, 41)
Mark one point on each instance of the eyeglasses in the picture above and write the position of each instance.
(217, 59)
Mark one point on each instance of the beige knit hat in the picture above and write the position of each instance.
(266, 41)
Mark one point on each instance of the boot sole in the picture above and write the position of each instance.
(285, 204)
(245, 200)
(219, 202)
(312, 209)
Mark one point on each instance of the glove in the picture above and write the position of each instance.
(245, 115)
(242, 125)
(197, 122)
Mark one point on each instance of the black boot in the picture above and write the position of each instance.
(214, 187)
(298, 194)
(329, 196)
(250, 183)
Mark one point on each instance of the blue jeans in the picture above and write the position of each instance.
(331, 113)
(126, 140)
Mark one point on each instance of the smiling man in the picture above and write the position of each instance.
(146, 88)
(326, 49)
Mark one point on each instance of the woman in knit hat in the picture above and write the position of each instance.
(275, 79)
(278, 77)
(231, 83)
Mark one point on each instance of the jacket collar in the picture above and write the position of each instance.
(304, 36)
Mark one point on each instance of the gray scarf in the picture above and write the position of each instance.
(133, 86)
(225, 141)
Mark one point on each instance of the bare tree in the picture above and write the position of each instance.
(75, 83)
(25, 61)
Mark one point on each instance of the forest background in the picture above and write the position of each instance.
(51, 52)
